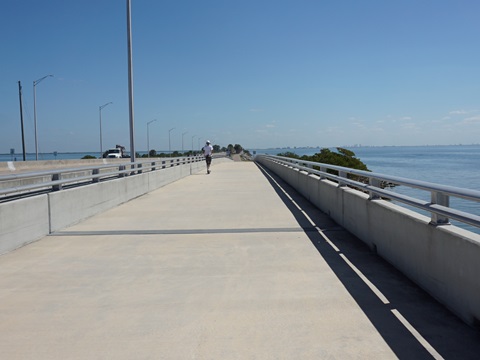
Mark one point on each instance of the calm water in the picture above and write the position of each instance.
(448, 165)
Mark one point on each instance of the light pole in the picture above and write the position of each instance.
(130, 82)
(35, 82)
(183, 149)
(169, 147)
(148, 137)
(100, 111)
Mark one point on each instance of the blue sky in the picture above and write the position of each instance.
(259, 73)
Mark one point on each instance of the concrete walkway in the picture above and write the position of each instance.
(217, 266)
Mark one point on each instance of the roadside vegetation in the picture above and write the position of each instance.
(229, 150)
(341, 157)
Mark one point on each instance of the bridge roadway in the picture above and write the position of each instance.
(219, 266)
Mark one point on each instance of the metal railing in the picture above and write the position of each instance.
(30, 183)
(438, 206)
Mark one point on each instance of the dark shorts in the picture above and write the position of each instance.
(208, 159)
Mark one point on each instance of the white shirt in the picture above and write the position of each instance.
(207, 150)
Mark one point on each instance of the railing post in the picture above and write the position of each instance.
(139, 167)
(95, 172)
(121, 168)
(153, 165)
(163, 164)
(342, 174)
(376, 183)
(310, 166)
(323, 169)
(56, 177)
(443, 200)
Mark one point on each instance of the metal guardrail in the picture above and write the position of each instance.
(438, 207)
(29, 183)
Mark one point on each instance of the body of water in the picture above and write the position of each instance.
(447, 165)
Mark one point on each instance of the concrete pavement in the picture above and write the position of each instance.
(212, 266)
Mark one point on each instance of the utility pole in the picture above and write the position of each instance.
(21, 119)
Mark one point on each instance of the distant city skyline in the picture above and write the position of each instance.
(263, 74)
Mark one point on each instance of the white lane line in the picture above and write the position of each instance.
(308, 218)
(327, 239)
(366, 281)
(417, 335)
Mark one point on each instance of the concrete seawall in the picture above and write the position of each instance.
(26, 220)
(444, 260)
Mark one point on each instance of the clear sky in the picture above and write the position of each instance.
(260, 73)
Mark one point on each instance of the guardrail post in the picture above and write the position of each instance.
(342, 174)
(139, 167)
(323, 169)
(310, 166)
(443, 200)
(376, 183)
(121, 168)
(56, 177)
(153, 165)
(95, 172)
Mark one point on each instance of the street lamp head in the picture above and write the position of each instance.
(35, 82)
(102, 106)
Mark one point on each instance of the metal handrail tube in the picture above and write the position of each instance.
(57, 176)
(438, 207)
(468, 194)
(76, 169)
(59, 182)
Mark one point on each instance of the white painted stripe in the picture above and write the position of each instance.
(366, 281)
(327, 239)
(308, 218)
(417, 335)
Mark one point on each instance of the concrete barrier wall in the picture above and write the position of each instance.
(444, 260)
(70, 206)
(26, 220)
(22, 222)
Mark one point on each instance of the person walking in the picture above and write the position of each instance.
(207, 152)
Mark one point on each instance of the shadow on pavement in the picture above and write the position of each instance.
(434, 325)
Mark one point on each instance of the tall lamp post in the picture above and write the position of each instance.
(183, 148)
(100, 111)
(35, 82)
(130, 82)
(169, 147)
(148, 137)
